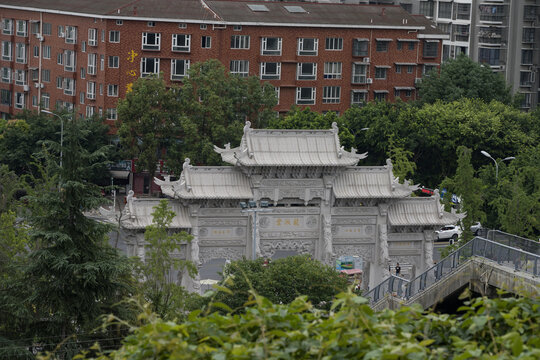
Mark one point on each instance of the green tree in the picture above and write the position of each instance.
(403, 167)
(157, 272)
(469, 188)
(73, 276)
(298, 118)
(464, 78)
(148, 114)
(214, 108)
(281, 281)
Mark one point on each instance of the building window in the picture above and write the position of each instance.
(237, 27)
(60, 58)
(7, 26)
(308, 46)
(400, 45)
(46, 52)
(83, 73)
(182, 26)
(149, 66)
(91, 90)
(181, 42)
(334, 44)
(20, 77)
(463, 12)
(271, 46)
(36, 51)
(19, 100)
(92, 37)
(81, 97)
(92, 64)
(20, 53)
(47, 29)
(114, 36)
(6, 75)
(71, 35)
(526, 57)
(69, 86)
(112, 90)
(358, 97)
(305, 96)
(119, 22)
(331, 94)
(398, 69)
(428, 68)
(240, 67)
(203, 27)
(411, 45)
(35, 28)
(100, 89)
(360, 47)
(102, 62)
(59, 82)
(528, 35)
(277, 91)
(6, 50)
(22, 28)
(151, 41)
(61, 31)
(382, 46)
(431, 48)
(206, 42)
(445, 10)
(46, 75)
(112, 114)
(270, 71)
(306, 71)
(240, 42)
(359, 72)
(45, 100)
(332, 70)
(179, 69)
(90, 110)
(526, 78)
(151, 23)
(114, 61)
(380, 95)
(35, 75)
(410, 69)
(426, 8)
(5, 96)
(34, 101)
(102, 36)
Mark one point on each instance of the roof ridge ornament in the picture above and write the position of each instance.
(185, 180)
(246, 141)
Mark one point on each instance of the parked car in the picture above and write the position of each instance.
(448, 232)
(476, 227)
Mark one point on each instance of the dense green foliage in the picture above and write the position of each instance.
(463, 78)
(281, 281)
(486, 329)
(21, 139)
(157, 273)
(70, 276)
(209, 109)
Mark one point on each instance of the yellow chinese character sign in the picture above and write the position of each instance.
(132, 55)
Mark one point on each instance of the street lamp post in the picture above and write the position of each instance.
(251, 207)
(486, 154)
(61, 132)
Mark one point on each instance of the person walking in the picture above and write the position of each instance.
(398, 269)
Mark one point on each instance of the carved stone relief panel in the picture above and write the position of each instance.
(288, 234)
(220, 212)
(269, 247)
(221, 232)
(221, 242)
(288, 183)
(401, 245)
(230, 253)
(180, 254)
(352, 231)
(357, 220)
(222, 222)
(364, 251)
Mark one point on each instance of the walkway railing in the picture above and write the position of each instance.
(505, 255)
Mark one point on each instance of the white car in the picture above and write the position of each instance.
(476, 227)
(448, 232)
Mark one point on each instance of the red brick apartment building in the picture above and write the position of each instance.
(85, 54)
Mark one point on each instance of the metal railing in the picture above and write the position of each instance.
(514, 241)
(503, 254)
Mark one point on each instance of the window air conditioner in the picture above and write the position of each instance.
(26, 88)
(366, 60)
(369, 81)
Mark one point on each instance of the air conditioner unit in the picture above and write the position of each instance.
(417, 81)
(369, 81)
(62, 35)
(36, 85)
(26, 88)
(366, 60)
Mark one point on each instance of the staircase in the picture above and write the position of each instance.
(513, 266)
